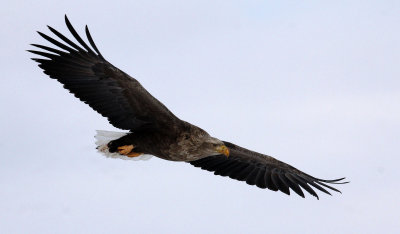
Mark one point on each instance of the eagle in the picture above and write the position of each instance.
(154, 130)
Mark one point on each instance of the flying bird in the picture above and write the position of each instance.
(152, 128)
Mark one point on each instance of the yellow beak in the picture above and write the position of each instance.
(223, 150)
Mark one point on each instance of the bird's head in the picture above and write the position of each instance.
(213, 146)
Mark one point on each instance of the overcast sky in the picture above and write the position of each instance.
(313, 83)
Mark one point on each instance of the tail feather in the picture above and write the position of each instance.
(104, 137)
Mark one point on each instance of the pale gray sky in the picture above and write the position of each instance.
(313, 83)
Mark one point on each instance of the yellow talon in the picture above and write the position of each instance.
(125, 149)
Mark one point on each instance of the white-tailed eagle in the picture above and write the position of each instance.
(153, 129)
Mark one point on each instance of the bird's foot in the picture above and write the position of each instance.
(133, 154)
(127, 151)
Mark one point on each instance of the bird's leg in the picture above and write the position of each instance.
(127, 151)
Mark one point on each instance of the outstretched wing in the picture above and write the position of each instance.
(109, 91)
(263, 171)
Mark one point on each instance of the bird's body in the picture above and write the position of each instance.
(181, 144)
(153, 129)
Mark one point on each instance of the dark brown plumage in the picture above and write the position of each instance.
(263, 171)
(155, 130)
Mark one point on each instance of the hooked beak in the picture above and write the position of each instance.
(223, 150)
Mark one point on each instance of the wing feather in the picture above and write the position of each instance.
(260, 181)
(76, 35)
(264, 171)
(92, 42)
(108, 90)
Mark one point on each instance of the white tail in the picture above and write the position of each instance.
(104, 137)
